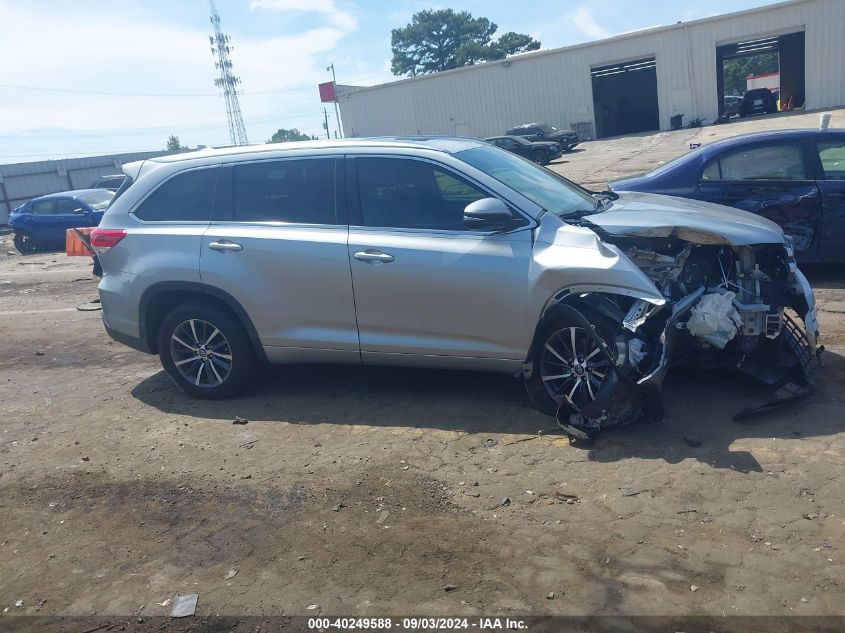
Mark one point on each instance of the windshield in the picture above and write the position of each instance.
(97, 200)
(546, 128)
(543, 187)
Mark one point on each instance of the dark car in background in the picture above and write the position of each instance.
(112, 182)
(795, 178)
(567, 139)
(42, 222)
(758, 101)
(541, 152)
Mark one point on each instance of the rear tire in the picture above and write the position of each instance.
(25, 243)
(206, 350)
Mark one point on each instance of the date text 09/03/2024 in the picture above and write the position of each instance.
(416, 624)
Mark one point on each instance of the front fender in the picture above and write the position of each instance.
(570, 259)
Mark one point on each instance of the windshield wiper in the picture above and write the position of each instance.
(578, 214)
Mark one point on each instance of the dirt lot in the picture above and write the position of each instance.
(369, 491)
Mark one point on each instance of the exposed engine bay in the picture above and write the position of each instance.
(744, 307)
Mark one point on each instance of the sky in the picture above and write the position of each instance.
(89, 77)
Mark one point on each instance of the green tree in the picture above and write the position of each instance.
(442, 39)
(734, 71)
(174, 144)
(286, 136)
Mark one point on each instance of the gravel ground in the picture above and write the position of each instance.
(369, 491)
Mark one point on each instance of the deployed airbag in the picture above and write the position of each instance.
(714, 319)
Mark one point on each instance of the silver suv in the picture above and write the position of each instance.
(446, 253)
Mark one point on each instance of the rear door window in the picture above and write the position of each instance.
(775, 161)
(832, 155)
(300, 191)
(44, 207)
(186, 197)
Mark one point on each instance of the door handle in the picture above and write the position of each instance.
(225, 245)
(373, 256)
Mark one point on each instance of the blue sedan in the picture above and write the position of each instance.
(793, 177)
(42, 222)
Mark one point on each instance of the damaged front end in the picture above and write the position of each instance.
(739, 306)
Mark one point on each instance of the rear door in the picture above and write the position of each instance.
(772, 179)
(170, 220)
(425, 284)
(830, 151)
(277, 244)
(43, 223)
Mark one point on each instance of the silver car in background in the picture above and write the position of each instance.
(444, 253)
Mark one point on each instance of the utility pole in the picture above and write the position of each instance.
(326, 123)
(336, 108)
(227, 81)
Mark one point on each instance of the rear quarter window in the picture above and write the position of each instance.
(186, 197)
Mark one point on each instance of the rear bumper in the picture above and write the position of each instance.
(120, 310)
(130, 341)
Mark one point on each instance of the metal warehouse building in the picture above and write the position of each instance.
(629, 83)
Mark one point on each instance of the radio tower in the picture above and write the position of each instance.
(227, 81)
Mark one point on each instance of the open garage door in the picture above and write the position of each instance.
(625, 97)
(775, 63)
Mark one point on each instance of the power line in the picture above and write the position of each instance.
(148, 94)
(174, 95)
(129, 131)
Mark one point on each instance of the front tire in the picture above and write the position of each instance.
(25, 243)
(559, 373)
(205, 349)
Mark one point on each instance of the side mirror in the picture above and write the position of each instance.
(80, 211)
(489, 214)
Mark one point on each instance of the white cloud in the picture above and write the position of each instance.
(583, 19)
(126, 51)
(337, 17)
(323, 6)
(403, 16)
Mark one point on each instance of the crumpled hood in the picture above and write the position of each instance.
(652, 215)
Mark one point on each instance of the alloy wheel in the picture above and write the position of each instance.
(201, 353)
(572, 366)
(25, 243)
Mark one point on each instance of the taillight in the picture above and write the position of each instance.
(103, 239)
